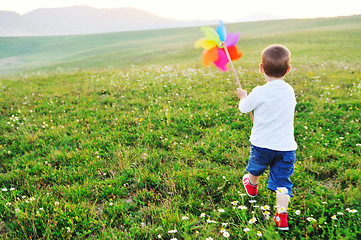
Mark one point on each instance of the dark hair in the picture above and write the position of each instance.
(276, 60)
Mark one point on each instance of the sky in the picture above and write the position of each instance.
(226, 10)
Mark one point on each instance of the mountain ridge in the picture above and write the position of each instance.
(83, 19)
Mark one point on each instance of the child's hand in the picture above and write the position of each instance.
(241, 93)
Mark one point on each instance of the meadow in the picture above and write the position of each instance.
(103, 137)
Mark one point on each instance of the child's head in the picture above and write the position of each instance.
(276, 61)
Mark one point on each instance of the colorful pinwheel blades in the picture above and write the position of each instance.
(213, 44)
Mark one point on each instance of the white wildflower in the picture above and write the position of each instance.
(211, 221)
(310, 219)
(282, 190)
(226, 234)
(252, 220)
(265, 207)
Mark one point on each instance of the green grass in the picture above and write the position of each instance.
(133, 152)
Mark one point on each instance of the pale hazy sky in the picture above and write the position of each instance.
(227, 10)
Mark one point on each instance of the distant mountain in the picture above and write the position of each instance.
(83, 20)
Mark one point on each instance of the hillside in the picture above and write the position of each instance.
(122, 49)
(128, 136)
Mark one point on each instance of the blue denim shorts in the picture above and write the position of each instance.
(281, 165)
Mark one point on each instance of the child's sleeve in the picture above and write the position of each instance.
(250, 102)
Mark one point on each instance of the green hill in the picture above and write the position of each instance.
(122, 49)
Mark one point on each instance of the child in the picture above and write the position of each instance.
(272, 136)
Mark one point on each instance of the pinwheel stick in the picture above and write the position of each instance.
(230, 61)
(234, 72)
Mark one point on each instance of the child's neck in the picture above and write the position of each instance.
(269, 79)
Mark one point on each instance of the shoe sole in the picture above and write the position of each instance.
(284, 228)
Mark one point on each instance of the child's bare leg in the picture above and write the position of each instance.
(253, 179)
(282, 200)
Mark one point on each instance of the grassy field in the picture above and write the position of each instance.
(141, 48)
(107, 138)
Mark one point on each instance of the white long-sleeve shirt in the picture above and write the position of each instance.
(274, 106)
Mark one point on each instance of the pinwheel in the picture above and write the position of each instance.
(219, 48)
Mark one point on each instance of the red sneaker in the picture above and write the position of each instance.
(281, 221)
(250, 190)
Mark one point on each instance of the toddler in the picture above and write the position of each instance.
(272, 136)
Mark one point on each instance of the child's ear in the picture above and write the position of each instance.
(289, 69)
(261, 68)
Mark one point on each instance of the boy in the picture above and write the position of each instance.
(272, 136)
